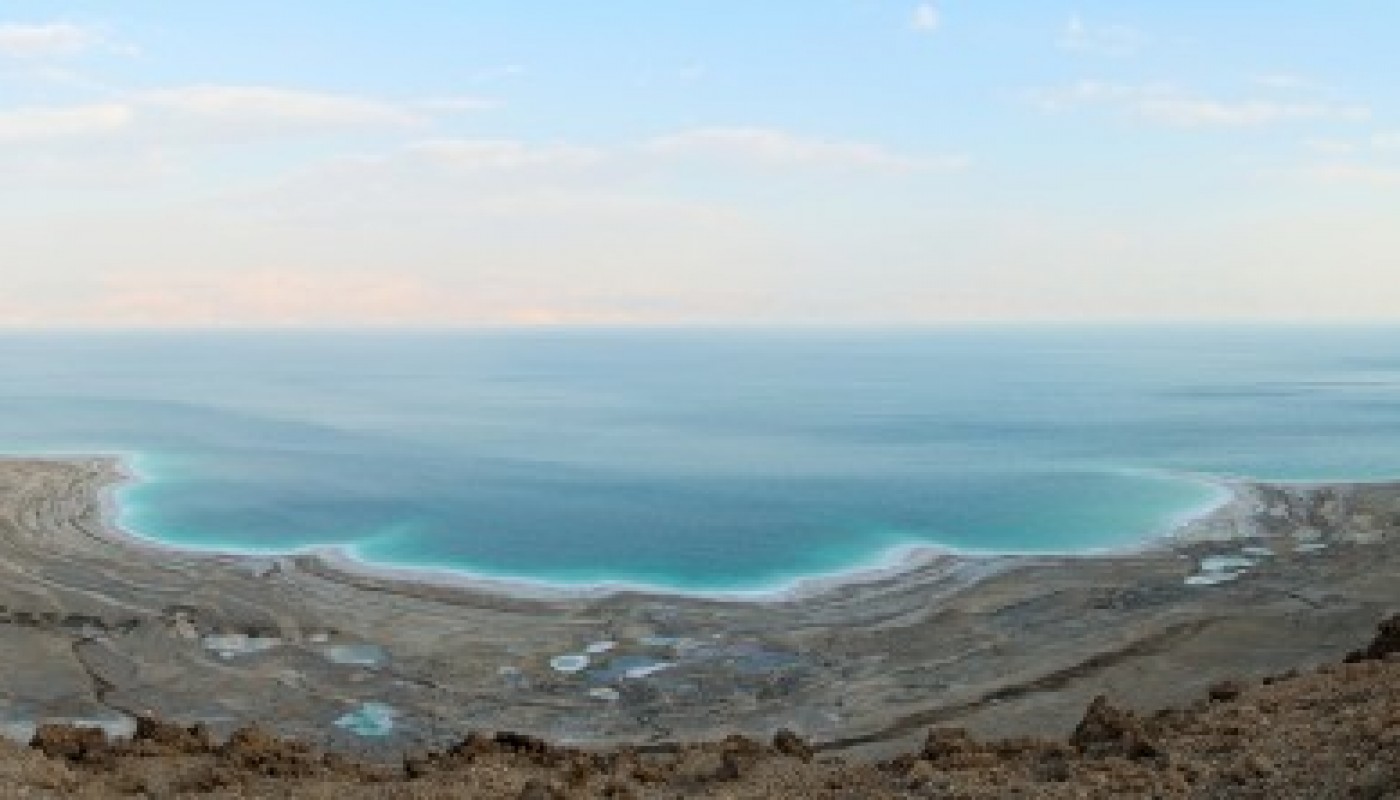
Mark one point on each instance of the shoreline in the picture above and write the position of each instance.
(885, 564)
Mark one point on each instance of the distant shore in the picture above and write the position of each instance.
(99, 625)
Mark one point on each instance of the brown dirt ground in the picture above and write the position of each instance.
(1331, 732)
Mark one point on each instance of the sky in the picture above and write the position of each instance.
(842, 162)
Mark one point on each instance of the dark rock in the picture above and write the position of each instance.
(536, 751)
(790, 744)
(78, 745)
(415, 767)
(742, 745)
(172, 738)
(255, 749)
(1109, 731)
(474, 746)
(510, 742)
(1226, 691)
(618, 790)
(732, 766)
(84, 620)
(1387, 642)
(580, 771)
(942, 743)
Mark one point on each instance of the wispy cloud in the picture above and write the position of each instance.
(925, 18)
(503, 154)
(1198, 113)
(239, 107)
(1283, 81)
(1097, 93)
(43, 124)
(1353, 173)
(210, 113)
(44, 40)
(1168, 105)
(1363, 161)
(1331, 147)
(777, 148)
(1386, 140)
(1109, 40)
(72, 167)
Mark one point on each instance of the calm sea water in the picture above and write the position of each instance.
(697, 460)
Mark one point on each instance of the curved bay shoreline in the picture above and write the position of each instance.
(883, 564)
(97, 626)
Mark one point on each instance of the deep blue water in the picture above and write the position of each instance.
(697, 459)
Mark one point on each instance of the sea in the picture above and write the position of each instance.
(696, 460)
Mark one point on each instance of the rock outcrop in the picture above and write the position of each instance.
(1386, 643)
(1106, 730)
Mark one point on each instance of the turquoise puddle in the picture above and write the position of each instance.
(697, 460)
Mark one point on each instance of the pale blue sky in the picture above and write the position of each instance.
(860, 161)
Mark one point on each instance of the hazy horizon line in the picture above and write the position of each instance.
(371, 328)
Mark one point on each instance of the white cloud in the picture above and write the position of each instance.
(925, 18)
(1331, 147)
(1168, 105)
(1286, 82)
(1094, 93)
(115, 168)
(1193, 113)
(778, 148)
(1108, 40)
(38, 41)
(446, 232)
(48, 74)
(241, 107)
(503, 154)
(40, 124)
(164, 132)
(1361, 162)
(1355, 173)
(1381, 141)
(1386, 140)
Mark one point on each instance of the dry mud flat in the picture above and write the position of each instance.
(97, 629)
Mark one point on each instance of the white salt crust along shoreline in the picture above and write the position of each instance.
(960, 566)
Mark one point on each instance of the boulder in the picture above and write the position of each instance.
(792, 745)
(1109, 731)
(1226, 691)
(1387, 642)
(78, 745)
(168, 738)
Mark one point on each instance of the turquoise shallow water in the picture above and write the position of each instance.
(697, 460)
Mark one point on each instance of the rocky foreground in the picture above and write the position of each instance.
(1330, 732)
